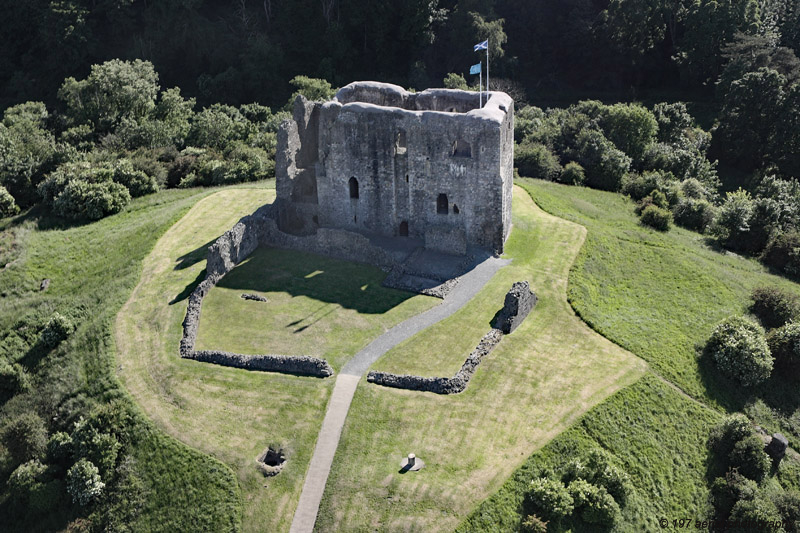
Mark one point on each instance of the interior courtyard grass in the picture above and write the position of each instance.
(535, 384)
(315, 306)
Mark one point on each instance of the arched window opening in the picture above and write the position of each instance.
(403, 231)
(461, 148)
(455, 209)
(442, 205)
(400, 142)
(353, 188)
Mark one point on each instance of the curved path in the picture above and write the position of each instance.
(352, 372)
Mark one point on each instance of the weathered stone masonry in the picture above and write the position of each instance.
(380, 160)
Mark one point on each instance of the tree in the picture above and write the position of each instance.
(8, 207)
(84, 483)
(113, 91)
(739, 348)
(631, 127)
(550, 498)
(25, 437)
(751, 108)
(732, 222)
(709, 24)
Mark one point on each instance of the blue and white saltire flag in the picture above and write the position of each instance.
(475, 69)
(482, 46)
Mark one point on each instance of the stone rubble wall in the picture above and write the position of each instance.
(458, 383)
(518, 303)
(302, 365)
(236, 244)
(447, 239)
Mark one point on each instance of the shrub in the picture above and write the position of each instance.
(726, 491)
(739, 348)
(535, 160)
(692, 188)
(94, 201)
(727, 433)
(783, 252)
(8, 207)
(13, 379)
(774, 306)
(694, 214)
(784, 344)
(101, 449)
(638, 186)
(749, 457)
(181, 167)
(573, 174)
(57, 329)
(25, 437)
(595, 504)
(550, 498)
(84, 483)
(656, 218)
(314, 89)
(533, 524)
(137, 182)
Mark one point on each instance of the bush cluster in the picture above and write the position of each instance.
(591, 489)
(739, 347)
(56, 330)
(784, 343)
(8, 207)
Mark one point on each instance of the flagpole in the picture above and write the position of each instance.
(487, 69)
(480, 89)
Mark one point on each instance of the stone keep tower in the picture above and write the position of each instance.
(378, 160)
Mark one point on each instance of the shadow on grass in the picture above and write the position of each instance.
(193, 257)
(187, 291)
(350, 285)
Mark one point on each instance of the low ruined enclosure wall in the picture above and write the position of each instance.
(517, 305)
(228, 251)
(458, 383)
(302, 365)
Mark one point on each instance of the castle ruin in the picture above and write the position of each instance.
(380, 161)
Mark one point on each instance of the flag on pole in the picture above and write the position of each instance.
(475, 69)
(482, 46)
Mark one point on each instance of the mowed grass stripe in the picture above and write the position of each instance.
(536, 383)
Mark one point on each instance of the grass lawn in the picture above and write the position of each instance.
(653, 433)
(660, 295)
(316, 306)
(93, 267)
(535, 384)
